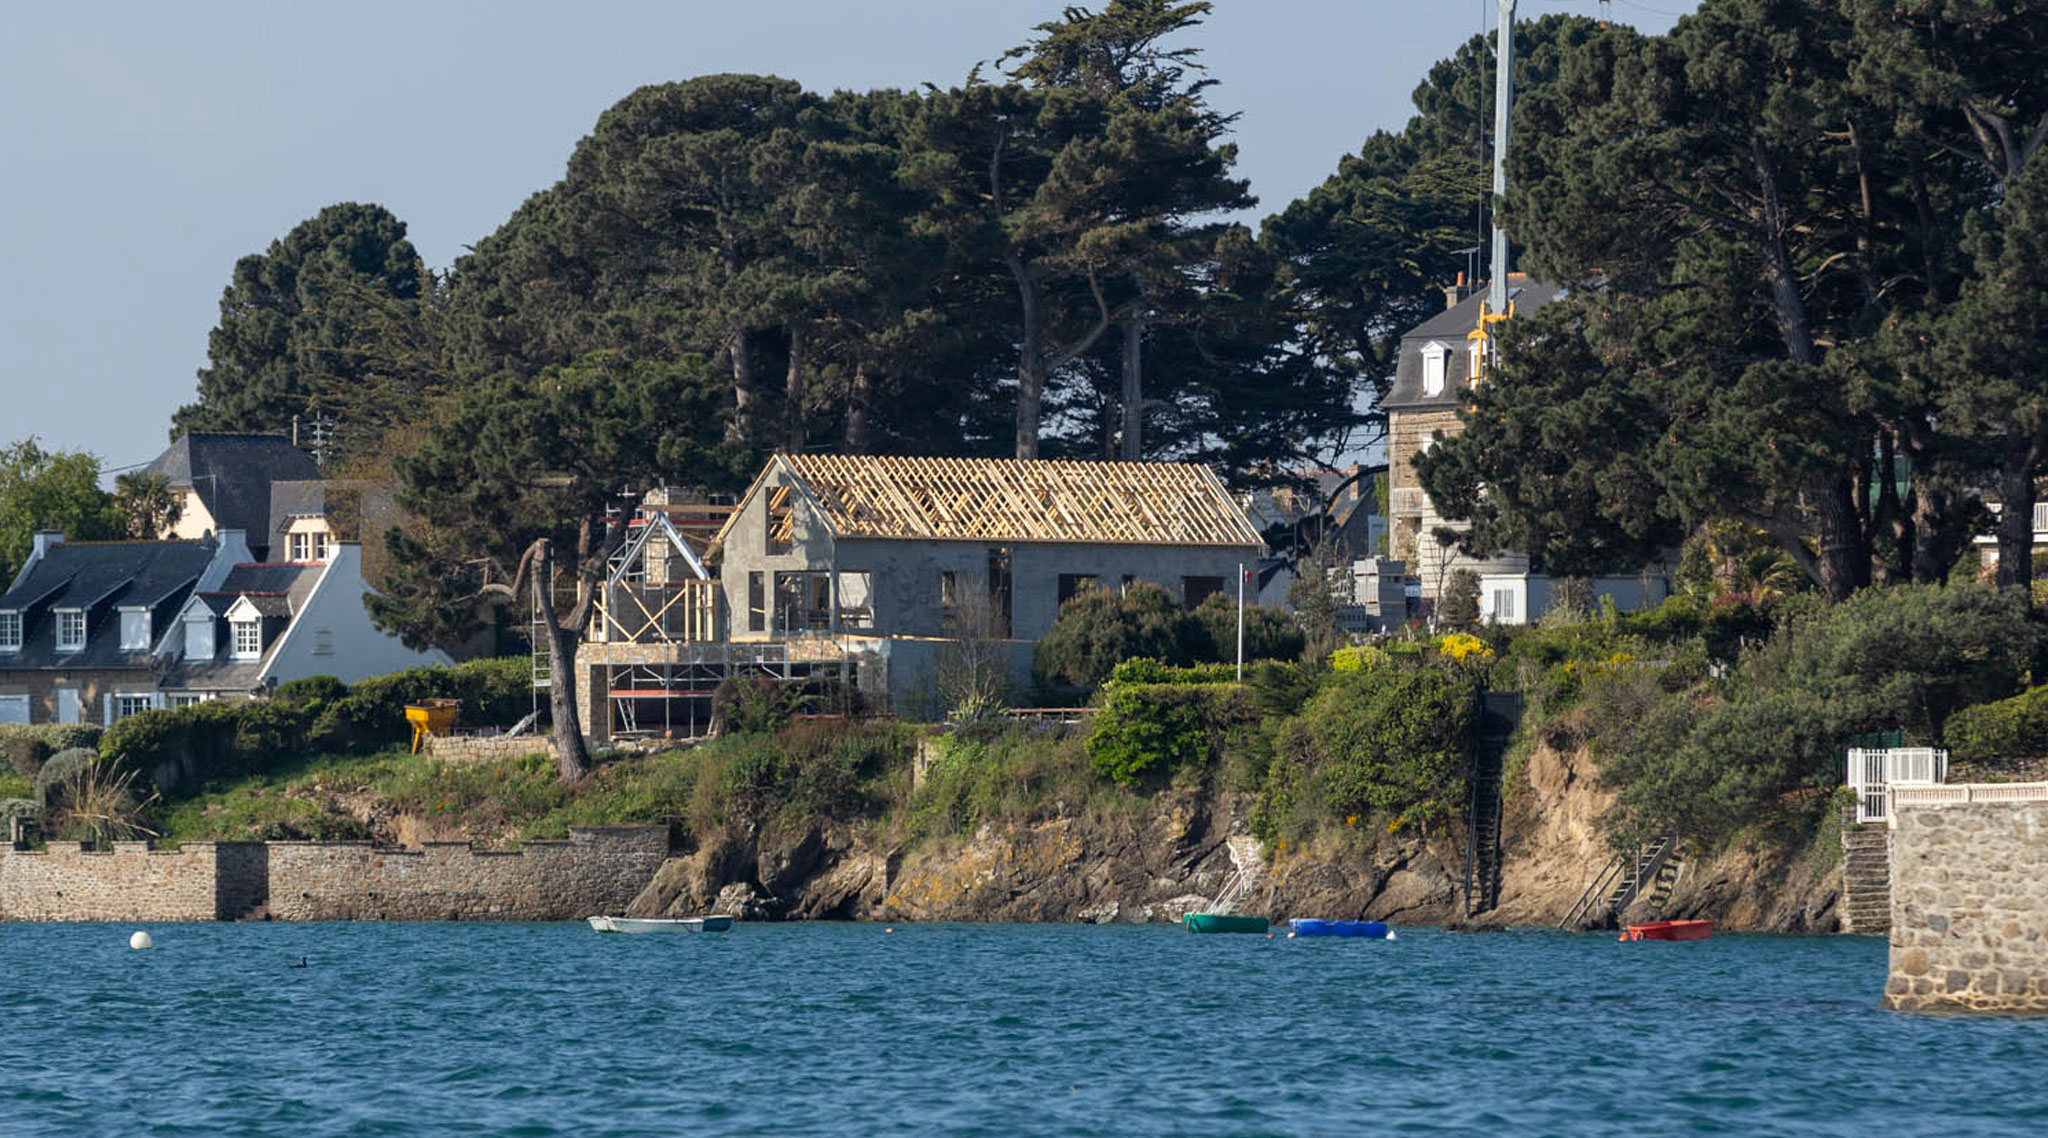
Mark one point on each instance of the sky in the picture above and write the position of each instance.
(148, 146)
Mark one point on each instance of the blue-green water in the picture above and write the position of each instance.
(998, 1030)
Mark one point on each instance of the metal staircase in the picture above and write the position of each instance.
(1625, 877)
(1498, 714)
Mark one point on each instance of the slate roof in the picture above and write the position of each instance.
(1450, 328)
(294, 499)
(102, 577)
(279, 591)
(1020, 500)
(232, 475)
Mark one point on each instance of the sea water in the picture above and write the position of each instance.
(533, 1029)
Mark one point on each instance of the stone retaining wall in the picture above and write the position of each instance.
(131, 882)
(1970, 908)
(486, 748)
(596, 870)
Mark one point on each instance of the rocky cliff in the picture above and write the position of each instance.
(1158, 863)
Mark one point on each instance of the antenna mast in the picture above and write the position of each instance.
(1503, 100)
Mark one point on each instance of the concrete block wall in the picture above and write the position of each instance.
(1969, 911)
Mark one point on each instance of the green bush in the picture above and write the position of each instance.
(181, 749)
(60, 770)
(26, 745)
(1392, 743)
(1100, 628)
(1269, 633)
(495, 692)
(2002, 730)
(1765, 742)
(1143, 728)
(1144, 670)
(1459, 605)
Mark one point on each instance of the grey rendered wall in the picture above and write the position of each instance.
(905, 576)
(746, 552)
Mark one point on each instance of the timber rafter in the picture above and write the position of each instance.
(1018, 500)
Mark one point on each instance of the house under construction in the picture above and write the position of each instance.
(868, 568)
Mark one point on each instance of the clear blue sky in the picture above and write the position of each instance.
(149, 145)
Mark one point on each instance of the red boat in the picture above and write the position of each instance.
(1669, 930)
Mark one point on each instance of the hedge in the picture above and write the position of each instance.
(2001, 731)
(27, 746)
(182, 749)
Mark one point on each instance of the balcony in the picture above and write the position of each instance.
(1874, 773)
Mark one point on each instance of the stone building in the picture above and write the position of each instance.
(1440, 362)
(80, 624)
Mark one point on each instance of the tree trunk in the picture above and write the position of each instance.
(1844, 564)
(858, 396)
(1030, 364)
(745, 395)
(2016, 514)
(1134, 390)
(572, 758)
(793, 394)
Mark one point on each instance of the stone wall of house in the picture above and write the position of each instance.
(1969, 908)
(596, 870)
(486, 748)
(131, 882)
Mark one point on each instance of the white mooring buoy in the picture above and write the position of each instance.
(140, 940)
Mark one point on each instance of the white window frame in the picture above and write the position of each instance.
(1475, 365)
(128, 616)
(122, 704)
(302, 543)
(64, 617)
(10, 631)
(1503, 604)
(1435, 368)
(254, 628)
(320, 545)
(179, 699)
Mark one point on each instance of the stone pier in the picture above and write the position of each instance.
(1969, 903)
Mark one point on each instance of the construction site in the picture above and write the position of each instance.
(882, 574)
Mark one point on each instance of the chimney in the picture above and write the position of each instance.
(1454, 293)
(44, 539)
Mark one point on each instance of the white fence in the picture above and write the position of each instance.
(1874, 772)
(1961, 792)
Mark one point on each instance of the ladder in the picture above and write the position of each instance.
(1244, 854)
(1621, 881)
(1498, 714)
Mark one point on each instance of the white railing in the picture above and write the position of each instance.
(1874, 772)
(1958, 793)
(2040, 518)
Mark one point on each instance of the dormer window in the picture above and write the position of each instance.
(134, 630)
(70, 630)
(309, 546)
(248, 638)
(1434, 357)
(1476, 366)
(10, 632)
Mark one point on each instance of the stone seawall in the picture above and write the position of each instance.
(596, 870)
(1969, 885)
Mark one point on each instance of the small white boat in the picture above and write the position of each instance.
(661, 925)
